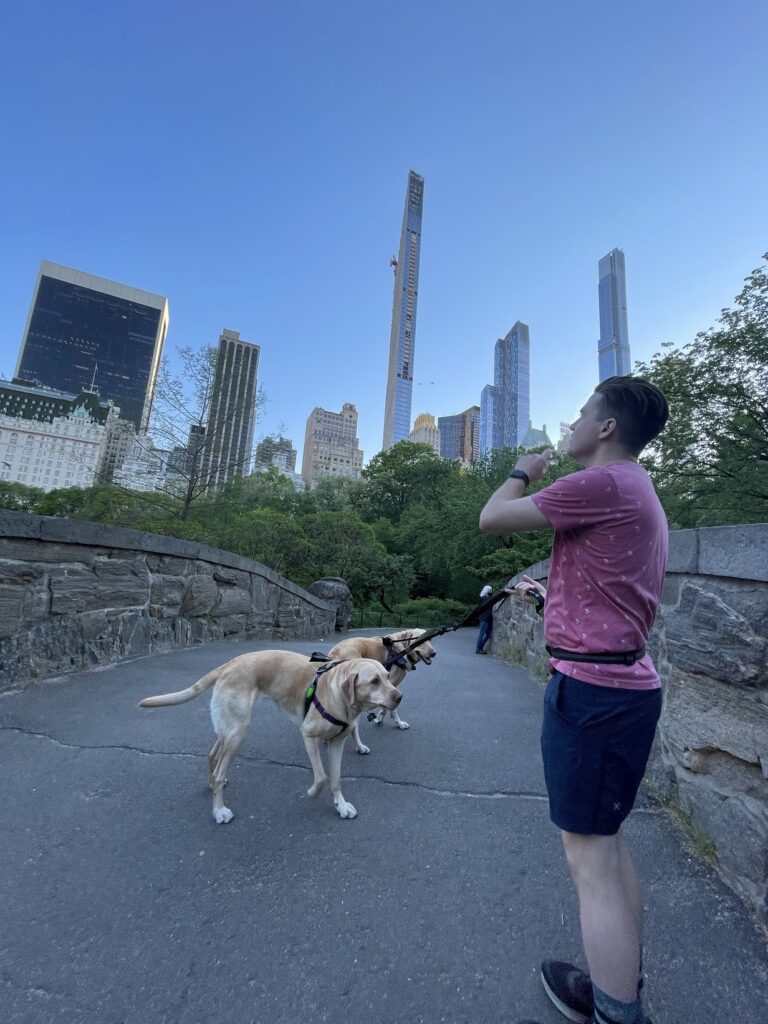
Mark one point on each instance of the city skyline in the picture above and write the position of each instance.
(295, 251)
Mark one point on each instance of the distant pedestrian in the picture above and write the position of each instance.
(603, 700)
(486, 621)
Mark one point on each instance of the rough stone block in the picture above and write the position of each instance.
(737, 551)
(705, 636)
(19, 524)
(683, 551)
(167, 592)
(232, 601)
(200, 596)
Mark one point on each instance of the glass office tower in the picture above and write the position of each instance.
(85, 331)
(512, 381)
(613, 346)
(402, 340)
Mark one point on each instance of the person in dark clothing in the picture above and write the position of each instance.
(486, 622)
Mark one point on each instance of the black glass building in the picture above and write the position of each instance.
(84, 331)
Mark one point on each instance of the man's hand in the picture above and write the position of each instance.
(529, 586)
(535, 466)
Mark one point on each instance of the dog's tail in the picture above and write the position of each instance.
(182, 696)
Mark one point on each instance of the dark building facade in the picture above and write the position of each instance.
(229, 433)
(87, 332)
(460, 435)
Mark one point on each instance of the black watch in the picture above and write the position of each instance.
(520, 474)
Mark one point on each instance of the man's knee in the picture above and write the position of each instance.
(592, 859)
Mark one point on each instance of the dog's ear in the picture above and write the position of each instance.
(348, 689)
(387, 641)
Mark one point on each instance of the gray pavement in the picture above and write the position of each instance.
(124, 903)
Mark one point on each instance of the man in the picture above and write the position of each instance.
(600, 713)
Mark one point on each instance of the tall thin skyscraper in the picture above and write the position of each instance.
(613, 346)
(229, 432)
(85, 331)
(402, 339)
(512, 381)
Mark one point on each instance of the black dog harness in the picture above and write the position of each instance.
(311, 698)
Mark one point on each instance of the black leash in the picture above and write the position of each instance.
(484, 606)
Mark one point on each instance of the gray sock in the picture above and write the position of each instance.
(611, 1011)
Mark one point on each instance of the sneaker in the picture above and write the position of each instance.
(481, 652)
(570, 989)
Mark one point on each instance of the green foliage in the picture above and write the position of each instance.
(19, 497)
(710, 465)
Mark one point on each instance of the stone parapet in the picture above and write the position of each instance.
(75, 594)
(710, 645)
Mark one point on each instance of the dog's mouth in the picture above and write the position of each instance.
(426, 658)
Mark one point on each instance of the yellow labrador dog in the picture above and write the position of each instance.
(381, 648)
(342, 692)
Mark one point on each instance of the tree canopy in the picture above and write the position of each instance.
(710, 465)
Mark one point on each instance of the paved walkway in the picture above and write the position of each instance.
(123, 902)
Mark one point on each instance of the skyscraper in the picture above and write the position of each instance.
(402, 339)
(505, 404)
(84, 330)
(490, 419)
(613, 345)
(425, 431)
(331, 445)
(460, 435)
(229, 431)
(512, 381)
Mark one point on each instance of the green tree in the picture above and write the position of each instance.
(19, 497)
(404, 475)
(710, 465)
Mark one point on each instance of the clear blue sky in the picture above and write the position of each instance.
(249, 161)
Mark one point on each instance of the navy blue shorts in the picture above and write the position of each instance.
(595, 741)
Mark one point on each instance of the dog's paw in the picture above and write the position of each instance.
(362, 749)
(223, 815)
(316, 788)
(402, 725)
(345, 810)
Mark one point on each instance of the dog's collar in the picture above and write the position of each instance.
(311, 699)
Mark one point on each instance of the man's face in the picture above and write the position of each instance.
(586, 429)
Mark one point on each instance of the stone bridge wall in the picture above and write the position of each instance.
(76, 594)
(710, 645)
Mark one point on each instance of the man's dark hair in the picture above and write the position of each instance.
(639, 408)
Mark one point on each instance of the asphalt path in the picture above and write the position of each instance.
(124, 903)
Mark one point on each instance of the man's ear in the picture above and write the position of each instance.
(348, 689)
(608, 428)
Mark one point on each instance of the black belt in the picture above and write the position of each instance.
(603, 658)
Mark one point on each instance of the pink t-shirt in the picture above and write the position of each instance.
(607, 569)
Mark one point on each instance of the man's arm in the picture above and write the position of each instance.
(507, 511)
